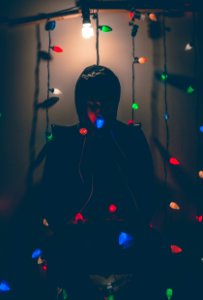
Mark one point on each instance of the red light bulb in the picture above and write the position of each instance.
(83, 131)
(199, 218)
(176, 249)
(112, 208)
(44, 267)
(57, 49)
(174, 161)
(130, 122)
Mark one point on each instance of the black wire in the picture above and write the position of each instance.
(133, 75)
(48, 83)
(165, 100)
(97, 38)
(197, 109)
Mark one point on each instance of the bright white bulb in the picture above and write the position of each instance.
(57, 91)
(188, 47)
(87, 31)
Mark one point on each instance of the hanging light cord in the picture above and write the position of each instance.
(97, 37)
(165, 99)
(48, 83)
(133, 75)
(197, 110)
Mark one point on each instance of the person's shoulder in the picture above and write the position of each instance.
(132, 129)
(63, 132)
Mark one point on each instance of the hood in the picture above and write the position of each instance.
(97, 83)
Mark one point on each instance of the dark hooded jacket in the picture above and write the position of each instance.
(87, 172)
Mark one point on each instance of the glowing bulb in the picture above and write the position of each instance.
(164, 76)
(87, 31)
(201, 128)
(169, 293)
(55, 91)
(4, 286)
(135, 106)
(176, 249)
(45, 223)
(125, 240)
(130, 122)
(83, 131)
(140, 60)
(112, 208)
(153, 17)
(174, 161)
(99, 122)
(190, 89)
(44, 267)
(105, 28)
(199, 218)
(174, 205)
(188, 47)
(57, 49)
(36, 253)
(200, 173)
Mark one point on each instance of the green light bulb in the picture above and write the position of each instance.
(169, 293)
(49, 137)
(110, 297)
(105, 28)
(164, 76)
(135, 106)
(190, 90)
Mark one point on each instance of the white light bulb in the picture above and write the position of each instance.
(87, 31)
(56, 91)
(188, 47)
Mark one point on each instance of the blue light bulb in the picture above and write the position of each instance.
(36, 253)
(99, 122)
(4, 286)
(201, 128)
(125, 240)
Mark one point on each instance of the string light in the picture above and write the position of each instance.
(55, 91)
(174, 206)
(190, 89)
(174, 161)
(83, 131)
(169, 293)
(57, 49)
(176, 249)
(105, 28)
(125, 240)
(112, 208)
(188, 47)
(140, 60)
(135, 106)
(200, 173)
(4, 286)
(199, 218)
(87, 30)
(36, 253)
(99, 122)
(153, 17)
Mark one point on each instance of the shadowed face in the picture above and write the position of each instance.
(94, 110)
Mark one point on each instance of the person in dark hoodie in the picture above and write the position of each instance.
(98, 184)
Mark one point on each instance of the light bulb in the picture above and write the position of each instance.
(174, 205)
(55, 91)
(87, 31)
(188, 47)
